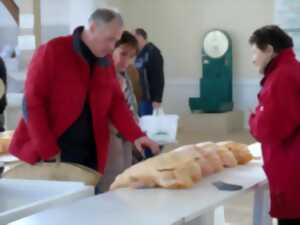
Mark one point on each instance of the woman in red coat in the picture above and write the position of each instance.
(276, 120)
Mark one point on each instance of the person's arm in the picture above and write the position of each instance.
(35, 111)
(122, 118)
(155, 73)
(277, 115)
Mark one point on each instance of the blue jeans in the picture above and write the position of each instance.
(145, 108)
(98, 189)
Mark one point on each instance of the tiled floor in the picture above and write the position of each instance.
(239, 210)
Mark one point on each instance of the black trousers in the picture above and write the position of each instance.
(288, 221)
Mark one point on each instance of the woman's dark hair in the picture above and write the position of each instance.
(271, 35)
(127, 39)
(141, 32)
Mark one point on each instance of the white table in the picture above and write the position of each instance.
(21, 198)
(162, 207)
(8, 159)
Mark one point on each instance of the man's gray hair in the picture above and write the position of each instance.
(104, 16)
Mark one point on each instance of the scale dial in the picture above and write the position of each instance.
(216, 44)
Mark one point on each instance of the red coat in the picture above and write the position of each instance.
(276, 124)
(58, 82)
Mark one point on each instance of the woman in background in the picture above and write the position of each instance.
(120, 150)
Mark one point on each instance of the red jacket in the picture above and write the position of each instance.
(57, 85)
(276, 124)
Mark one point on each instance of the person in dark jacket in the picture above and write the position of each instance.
(72, 94)
(150, 65)
(276, 120)
(3, 102)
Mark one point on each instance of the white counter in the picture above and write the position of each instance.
(159, 206)
(20, 198)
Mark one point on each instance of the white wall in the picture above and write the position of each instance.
(8, 28)
(287, 13)
(178, 27)
(6, 18)
(55, 18)
(177, 92)
(80, 12)
(55, 12)
(60, 17)
(114, 4)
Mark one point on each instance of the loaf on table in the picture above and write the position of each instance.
(173, 170)
(227, 157)
(209, 152)
(239, 150)
(184, 166)
(206, 167)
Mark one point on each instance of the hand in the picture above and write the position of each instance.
(156, 105)
(142, 142)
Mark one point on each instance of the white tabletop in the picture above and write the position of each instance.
(20, 198)
(256, 150)
(152, 206)
(7, 158)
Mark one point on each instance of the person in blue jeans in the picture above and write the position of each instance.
(149, 62)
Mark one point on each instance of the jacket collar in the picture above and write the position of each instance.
(102, 61)
(284, 56)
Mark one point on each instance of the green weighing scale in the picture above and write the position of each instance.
(216, 83)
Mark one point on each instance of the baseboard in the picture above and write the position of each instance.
(179, 90)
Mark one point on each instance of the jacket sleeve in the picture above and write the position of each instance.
(277, 115)
(37, 89)
(122, 117)
(3, 77)
(155, 74)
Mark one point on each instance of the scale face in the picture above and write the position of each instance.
(216, 82)
(216, 44)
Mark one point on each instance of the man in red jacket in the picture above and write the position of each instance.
(71, 95)
(276, 120)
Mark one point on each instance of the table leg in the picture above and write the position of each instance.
(261, 206)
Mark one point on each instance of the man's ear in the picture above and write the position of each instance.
(92, 26)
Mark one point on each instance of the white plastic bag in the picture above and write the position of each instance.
(160, 127)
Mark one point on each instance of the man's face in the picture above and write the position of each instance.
(140, 40)
(123, 56)
(261, 58)
(104, 38)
